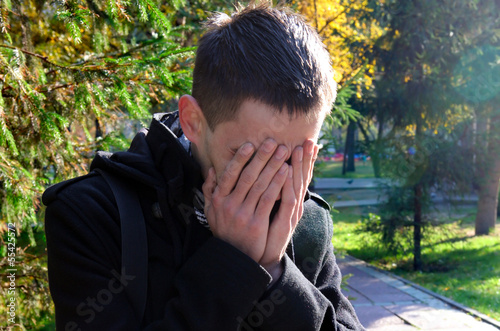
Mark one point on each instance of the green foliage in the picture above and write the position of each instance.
(70, 72)
(66, 66)
(34, 307)
(394, 223)
(437, 162)
(424, 59)
(415, 99)
(341, 112)
(437, 159)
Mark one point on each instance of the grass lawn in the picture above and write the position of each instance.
(457, 264)
(334, 169)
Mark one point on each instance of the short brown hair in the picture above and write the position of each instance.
(264, 54)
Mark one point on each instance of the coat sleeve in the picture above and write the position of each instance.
(213, 290)
(308, 295)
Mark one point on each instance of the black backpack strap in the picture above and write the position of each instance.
(134, 240)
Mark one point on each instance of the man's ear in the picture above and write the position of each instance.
(191, 118)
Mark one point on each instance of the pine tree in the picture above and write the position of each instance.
(417, 92)
(67, 66)
(71, 72)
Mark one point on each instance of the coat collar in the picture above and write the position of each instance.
(181, 172)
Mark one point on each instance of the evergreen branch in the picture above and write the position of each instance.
(178, 51)
(143, 44)
(138, 47)
(95, 9)
(155, 41)
(13, 12)
(349, 80)
(43, 58)
(50, 89)
(46, 60)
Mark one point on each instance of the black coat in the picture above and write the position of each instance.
(195, 281)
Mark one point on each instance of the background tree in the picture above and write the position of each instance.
(477, 81)
(416, 58)
(349, 32)
(68, 66)
(469, 55)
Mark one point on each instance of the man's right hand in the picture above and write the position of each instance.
(238, 206)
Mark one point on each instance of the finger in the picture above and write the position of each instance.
(233, 169)
(288, 197)
(307, 164)
(284, 223)
(270, 195)
(209, 184)
(252, 171)
(266, 176)
(208, 189)
(297, 164)
(315, 157)
(300, 176)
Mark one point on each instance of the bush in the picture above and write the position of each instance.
(394, 222)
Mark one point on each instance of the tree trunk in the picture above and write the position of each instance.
(417, 215)
(350, 144)
(480, 147)
(417, 228)
(377, 147)
(344, 160)
(489, 182)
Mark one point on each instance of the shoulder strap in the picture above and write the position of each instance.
(134, 240)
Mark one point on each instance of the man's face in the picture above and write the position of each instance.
(254, 123)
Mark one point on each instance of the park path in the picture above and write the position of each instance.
(384, 301)
(363, 192)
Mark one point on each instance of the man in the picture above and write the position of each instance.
(234, 239)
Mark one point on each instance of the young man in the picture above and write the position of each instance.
(234, 239)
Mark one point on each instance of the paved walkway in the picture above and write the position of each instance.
(347, 183)
(385, 302)
(364, 192)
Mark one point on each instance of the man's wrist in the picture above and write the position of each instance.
(275, 270)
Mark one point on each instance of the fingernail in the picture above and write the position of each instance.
(290, 171)
(281, 152)
(283, 168)
(268, 146)
(310, 148)
(247, 149)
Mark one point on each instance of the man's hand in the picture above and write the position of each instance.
(292, 205)
(238, 207)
